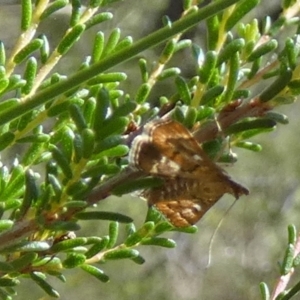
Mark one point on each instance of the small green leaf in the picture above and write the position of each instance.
(28, 50)
(15, 82)
(63, 225)
(89, 110)
(183, 90)
(77, 116)
(125, 43)
(6, 139)
(142, 93)
(108, 143)
(182, 44)
(73, 260)
(178, 114)
(9, 282)
(31, 193)
(212, 94)
(241, 94)
(6, 224)
(68, 244)
(229, 50)
(4, 82)
(53, 7)
(213, 27)
(45, 49)
(292, 49)
(277, 86)
(108, 78)
(249, 146)
(296, 261)
(117, 151)
(288, 259)
(76, 12)
(40, 280)
(88, 142)
(12, 204)
(33, 153)
(191, 117)
(112, 126)
(4, 295)
(206, 70)
(37, 138)
(157, 241)
(9, 103)
(2, 53)
(125, 109)
(234, 66)
(69, 40)
(99, 18)
(29, 75)
(292, 232)
(263, 49)
(36, 246)
(15, 185)
(121, 254)
(277, 117)
(143, 70)
(99, 274)
(95, 3)
(97, 247)
(53, 263)
(162, 226)
(167, 52)
(26, 118)
(167, 73)
(136, 237)
(101, 110)
(138, 260)
(190, 229)
(98, 47)
(264, 291)
(61, 160)
(251, 124)
(76, 203)
(113, 234)
(103, 215)
(213, 148)
(26, 14)
(111, 42)
(294, 86)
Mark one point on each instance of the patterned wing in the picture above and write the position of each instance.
(167, 148)
(184, 201)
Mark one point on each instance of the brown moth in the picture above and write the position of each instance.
(192, 182)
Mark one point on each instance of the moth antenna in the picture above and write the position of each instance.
(209, 260)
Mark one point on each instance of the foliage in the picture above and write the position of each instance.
(75, 130)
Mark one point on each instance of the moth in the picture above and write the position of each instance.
(192, 182)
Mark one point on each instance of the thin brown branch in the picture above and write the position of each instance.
(230, 115)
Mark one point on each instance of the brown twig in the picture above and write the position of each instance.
(229, 116)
